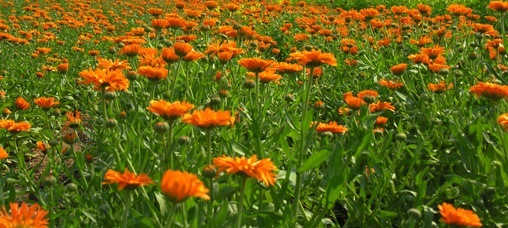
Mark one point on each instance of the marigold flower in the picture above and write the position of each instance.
(331, 127)
(153, 73)
(193, 56)
(74, 118)
(62, 67)
(13, 126)
(255, 65)
(21, 103)
(126, 180)
(46, 102)
(354, 102)
(168, 110)
(368, 95)
(42, 146)
(381, 121)
(169, 55)
(380, 106)
(24, 216)
(209, 118)
(390, 84)
(269, 76)
(458, 216)
(314, 58)
(503, 121)
(179, 186)
(262, 170)
(182, 49)
(286, 68)
(498, 6)
(432, 52)
(112, 65)
(3, 153)
(440, 87)
(398, 69)
(130, 50)
(490, 90)
(105, 79)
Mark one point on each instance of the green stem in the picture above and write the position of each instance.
(171, 216)
(127, 207)
(238, 222)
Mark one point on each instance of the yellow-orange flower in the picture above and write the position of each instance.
(255, 65)
(126, 180)
(21, 103)
(314, 58)
(489, 90)
(209, 118)
(46, 102)
(263, 170)
(332, 127)
(498, 6)
(503, 121)
(168, 110)
(179, 186)
(24, 216)
(380, 106)
(182, 49)
(458, 216)
(398, 69)
(3, 153)
(105, 79)
(113, 65)
(390, 84)
(440, 87)
(13, 126)
(153, 73)
(74, 118)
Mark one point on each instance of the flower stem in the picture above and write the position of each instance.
(127, 207)
(171, 216)
(238, 222)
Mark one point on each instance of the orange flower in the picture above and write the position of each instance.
(62, 67)
(286, 68)
(269, 76)
(179, 186)
(21, 103)
(153, 73)
(192, 56)
(155, 11)
(3, 153)
(182, 49)
(390, 84)
(112, 65)
(169, 55)
(130, 50)
(105, 79)
(458, 216)
(503, 121)
(263, 170)
(498, 6)
(458, 9)
(314, 58)
(398, 69)
(424, 9)
(13, 126)
(380, 106)
(42, 146)
(440, 87)
(209, 118)
(46, 102)
(255, 65)
(354, 102)
(24, 216)
(490, 90)
(368, 96)
(127, 179)
(159, 23)
(331, 127)
(168, 110)
(433, 52)
(381, 121)
(74, 118)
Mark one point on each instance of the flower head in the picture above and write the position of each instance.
(399, 69)
(263, 170)
(255, 65)
(3, 153)
(331, 127)
(314, 58)
(458, 216)
(209, 118)
(105, 79)
(390, 84)
(440, 87)
(490, 90)
(178, 186)
(168, 110)
(503, 121)
(21, 103)
(13, 126)
(24, 216)
(127, 180)
(46, 102)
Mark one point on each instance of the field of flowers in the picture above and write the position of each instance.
(248, 113)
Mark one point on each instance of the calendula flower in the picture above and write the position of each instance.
(380, 106)
(182, 49)
(262, 170)
(105, 79)
(168, 110)
(498, 6)
(332, 127)
(179, 186)
(209, 118)
(390, 84)
(46, 102)
(21, 103)
(314, 58)
(458, 216)
(74, 118)
(113, 65)
(398, 69)
(24, 216)
(255, 65)
(13, 126)
(126, 180)
(3, 153)
(502, 120)
(440, 87)
(153, 73)
(490, 90)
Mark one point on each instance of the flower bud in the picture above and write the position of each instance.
(414, 213)
(401, 136)
(161, 127)
(249, 84)
(209, 171)
(184, 140)
(49, 180)
(111, 123)
(71, 187)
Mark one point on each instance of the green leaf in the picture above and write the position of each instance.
(314, 161)
(388, 214)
